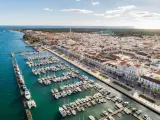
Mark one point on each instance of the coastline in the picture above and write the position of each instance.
(29, 45)
(104, 81)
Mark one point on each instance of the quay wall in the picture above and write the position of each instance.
(109, 84)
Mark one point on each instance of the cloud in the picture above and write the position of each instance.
(111, 16)
(99, 14)
(116, 11)
(47, 9)
(98, 20)
(95, 3)
(78, 0)
(77, 11)
(124, 8)
(120, 9)
(144, 14)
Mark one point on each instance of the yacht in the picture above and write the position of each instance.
(125, 103)
(91, 117)
(73, 112)
(52, 91)
(31, 104)
(93, 102)
(105, 113)
(78, 108)
(111, 118)
(108, 98)
(27, 94)
(62, 111)
(110, 110)
(146, 117)
(119, 105)
(24, 87)
(138, 112)
(68, 112)
(63, 93)
(82, 108)
(40, 81)
(57, 95)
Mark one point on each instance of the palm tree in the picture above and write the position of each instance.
(144, 86)
(155, 92)
(135, 82)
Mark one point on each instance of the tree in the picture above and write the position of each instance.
(135, 82)
(31, 39)
(155, 92)
(144, 86)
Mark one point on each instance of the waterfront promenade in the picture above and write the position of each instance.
(130, 94)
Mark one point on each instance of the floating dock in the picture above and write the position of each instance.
(112, 114)
(28, 113)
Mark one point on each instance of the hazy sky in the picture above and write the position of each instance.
(138, 13)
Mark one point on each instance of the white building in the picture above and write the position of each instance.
(153, 83)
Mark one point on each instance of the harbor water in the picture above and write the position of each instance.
(47, 106)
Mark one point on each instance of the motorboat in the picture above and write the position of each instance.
(105, 113)
(82, 108)
(31, 104)
(24, 87)
(68, 112)
(27, 94)
(52, 91)
(40, 81)
(146, 117)
(110, 110)
(91, 117)
(111, 118)
(62, 111)
(73, 112)
(138, 112)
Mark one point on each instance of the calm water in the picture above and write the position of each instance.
(47, 107)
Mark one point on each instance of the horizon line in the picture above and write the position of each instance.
(123, 27)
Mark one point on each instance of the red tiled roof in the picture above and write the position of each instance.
(158, 72)
(137, 65)
(123, 63)
(114, 56)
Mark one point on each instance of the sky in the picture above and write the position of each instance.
(136, 13)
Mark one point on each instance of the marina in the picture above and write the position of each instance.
(96, 97)
(85, 102)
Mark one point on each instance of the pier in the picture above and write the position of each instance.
(27, 111)
(73, 88)
(86, 102)
(112, 114)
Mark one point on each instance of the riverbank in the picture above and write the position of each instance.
(155, 108)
